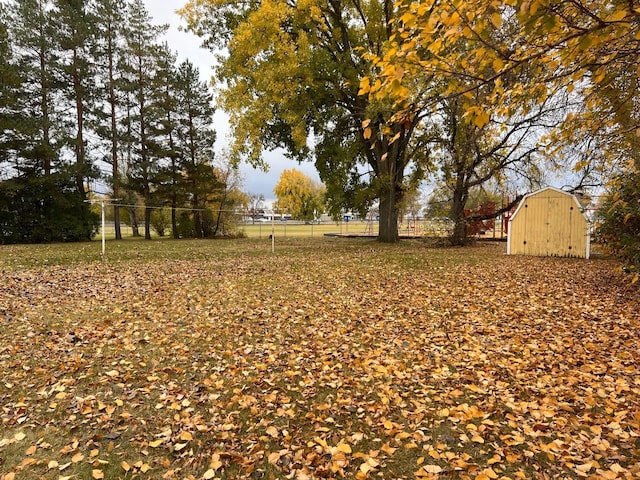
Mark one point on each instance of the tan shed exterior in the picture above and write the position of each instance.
(549, 222)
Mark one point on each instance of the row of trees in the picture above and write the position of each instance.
(90, 97)
(383, 94)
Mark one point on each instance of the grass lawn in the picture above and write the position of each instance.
(298, 229)
(331, 358)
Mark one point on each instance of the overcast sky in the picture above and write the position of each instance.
(188, 46)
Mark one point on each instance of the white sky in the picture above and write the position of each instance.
(188, 46)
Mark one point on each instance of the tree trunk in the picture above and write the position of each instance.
(80, 152)
(147, 223)
(116, 221)
(459, 235)
(389, 213)
(134, 221)
(174, 218)
(114, 137)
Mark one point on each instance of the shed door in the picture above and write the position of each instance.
(549, 221)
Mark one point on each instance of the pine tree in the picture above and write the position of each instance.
(196, 139)
(37, 60)
(170, 186)
(74, 29)
(140, 67)
(110, 21)
(9, 92)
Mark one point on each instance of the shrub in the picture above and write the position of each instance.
(619, 229)
(161, 221)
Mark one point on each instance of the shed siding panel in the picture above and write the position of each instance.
(549, 223)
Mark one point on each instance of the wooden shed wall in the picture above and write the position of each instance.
(549, 223)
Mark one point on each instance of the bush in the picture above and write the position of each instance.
(161, 221)
(619, 229)
(45, 209)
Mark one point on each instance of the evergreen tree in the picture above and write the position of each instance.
(108, 49)
(42, 199)
(40, 136)
(141, 67)
(74, 30)
(170, 186)
(196, 139)
(9, 92)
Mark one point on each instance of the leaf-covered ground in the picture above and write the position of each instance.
(329, 359)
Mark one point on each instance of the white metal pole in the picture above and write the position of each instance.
(103, 232)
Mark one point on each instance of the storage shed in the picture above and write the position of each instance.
(549, 222)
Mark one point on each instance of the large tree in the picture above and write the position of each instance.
(110, 21)
(41, 134)
(10, 83)
(143, 118)
(75, 30)
(195, 139)
(293, 72)
(298, 195)
(515, 55)
(546, 46)
(42, 194)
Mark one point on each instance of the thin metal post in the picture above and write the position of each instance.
(103, 231)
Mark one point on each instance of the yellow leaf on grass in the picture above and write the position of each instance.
(215, 463)
(489, 473)
(31, 450)
(97, 474)
(432, 468)
(78, 457)
(272, 431)
(209, 474)
(125, 466)
(617, 468)
(156, 443)
(186, 437)
(344, 447)
(273, 458)
(585, 467)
